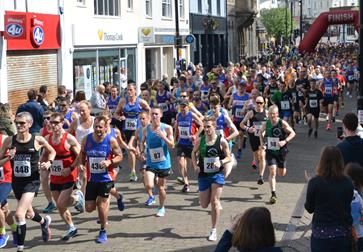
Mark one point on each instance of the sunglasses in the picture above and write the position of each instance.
(54, 122)
(47, 118)
(260, 103)
(20, 123)
(183, 96)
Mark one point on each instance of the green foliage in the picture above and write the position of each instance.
(274, 21)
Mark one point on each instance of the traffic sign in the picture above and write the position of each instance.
(190, 38)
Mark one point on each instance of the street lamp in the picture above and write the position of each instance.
(360, 94)
(301, 19)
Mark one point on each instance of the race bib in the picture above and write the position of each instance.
(209, 166)
(184, 132)
(350, 77)
(95, 166)
(2, 176)
(328, 90)
(272, 143)
(239, 113)
(219, 132)
(164, 107)
(300, 93)
(56, 168)
(157, 155)
(239, 103)
(258, 126)
(130, 123)
(204, 96)
(313, 103)
(22, 168)
(285, 105)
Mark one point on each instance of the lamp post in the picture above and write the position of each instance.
(301, 19)
(360, 94)
(177, 34)
(286, 23)
(292, 20)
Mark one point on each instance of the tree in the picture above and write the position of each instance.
(274, 21)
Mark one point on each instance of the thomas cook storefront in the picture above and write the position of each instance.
(33, 41)
(102, 54)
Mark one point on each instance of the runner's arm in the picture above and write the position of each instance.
(199, 122)
(262, 132)
(116, 151)
(226, 151)
(248, 117)
(5, 146)
(120, 141)
(75, 146)
(169, 138)
(230, 102)
(194, 155)
(291, 133)
(196, 111)
(119, 109)
(72, 127)
(234, 132)
(48, 154)
(80, 159)
(144, 105)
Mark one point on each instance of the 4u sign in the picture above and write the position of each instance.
(14, 30)
(15, 27)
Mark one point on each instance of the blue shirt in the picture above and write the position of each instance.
(157, 153)
(37, 111)
(185, 128)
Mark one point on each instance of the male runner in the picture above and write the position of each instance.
(313, 98)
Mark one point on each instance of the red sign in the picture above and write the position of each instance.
(32, 31)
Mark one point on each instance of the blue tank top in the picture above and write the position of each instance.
(112, 104)
(237, 106)
(157, 153)
(185, 128)
(161, 99)
(68, 117)
(202, 109)
(221, 124)
(131, 113)
(112, 133)
(328, 87)
(96, 152)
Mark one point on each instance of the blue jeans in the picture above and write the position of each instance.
(337, 244)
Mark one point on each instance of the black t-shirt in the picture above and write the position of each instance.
(302, 83)
(313, 99)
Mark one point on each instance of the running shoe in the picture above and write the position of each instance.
(239, 153)
(273, 199)
(50, 208)
(254, 164)
(79, 206)
(180, 180)
(186, 188)
(3, 240)
(161, 212)
(15, 238)
(150, 201)
(120, 203)
(316, 134)
(133, 177)
(46, 232)
(102, 237)
(72, 232)
(213, 235)
(260, 181)
(310, 132)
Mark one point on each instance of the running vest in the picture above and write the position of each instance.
(131, 113)
(45, 132)
(208, 155)
(256, 120)
(185, 128)
(112, 104)
(328, 88)
(63, 159)
(314, 99)
(157, 153)
(97, 152)
(204, 90)
(285, 103)
(221, 128)
(161, 100)
(202, 109)
(25, 161)
(274, 134)
(237, 106)
(5, 170)
(82, 132)
(68, 117)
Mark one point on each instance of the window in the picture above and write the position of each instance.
(166, 8)
(130, 4)
(199, 6)
(107, 7)
(148, 8)
(209, 6)
(181, 9)
(218, 7)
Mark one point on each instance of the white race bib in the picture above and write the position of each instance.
(350, 77)
(272, 143)
(313, 103)
(157, 155)
(2, 176)
(219, 132)
(22, 168)
(184, 132)
(258, 126)
(131, 124)
(94, 165)
(285, 105)
(239, 112)
(209, 166)
(294, 97)
(328, 90)
(56, 168)
(239, 103)
(163, 106)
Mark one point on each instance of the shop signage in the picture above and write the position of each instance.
(146, 35)
(189, 38)
(107, 36)
(31, 31)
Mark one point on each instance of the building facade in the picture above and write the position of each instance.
(208, 23)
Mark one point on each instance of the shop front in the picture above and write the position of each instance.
(102, 55)
(32, 44)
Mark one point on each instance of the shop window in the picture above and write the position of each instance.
(218, 7)
(181, 9)
(108, 61)
(148, 8)
(107, 7)
(199, 6)
(85, 73)
(166, 8)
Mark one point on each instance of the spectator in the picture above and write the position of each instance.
(35, 109)
(62, 92)
(98, 101)
(80, 96)
(164, 80)
(7, 126)
(251, 232)
(43, 96)
(352, 145)
(329, 196)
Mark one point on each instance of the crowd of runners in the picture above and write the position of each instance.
(209, 117)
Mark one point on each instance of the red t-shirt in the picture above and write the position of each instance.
(5, 170)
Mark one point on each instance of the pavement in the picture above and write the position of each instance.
(186, 225)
